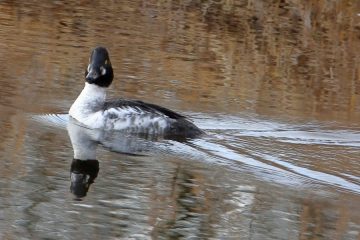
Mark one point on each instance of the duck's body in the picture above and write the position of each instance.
(93, 110)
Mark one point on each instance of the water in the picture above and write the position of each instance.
(274, 85)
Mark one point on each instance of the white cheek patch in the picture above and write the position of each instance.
(103, 70)
(88, 68)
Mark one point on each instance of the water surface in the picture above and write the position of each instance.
(274, 85)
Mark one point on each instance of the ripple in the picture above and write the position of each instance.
(52, 119)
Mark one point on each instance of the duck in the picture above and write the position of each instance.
(93, 110)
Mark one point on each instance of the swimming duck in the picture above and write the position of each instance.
(93, 110)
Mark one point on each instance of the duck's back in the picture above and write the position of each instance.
(141, 117)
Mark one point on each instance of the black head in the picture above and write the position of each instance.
(99, 71)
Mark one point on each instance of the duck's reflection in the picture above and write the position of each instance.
(82, 175)
(85, 166)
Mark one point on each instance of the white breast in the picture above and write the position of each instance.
(87, 107)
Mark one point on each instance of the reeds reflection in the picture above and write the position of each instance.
(229, 62)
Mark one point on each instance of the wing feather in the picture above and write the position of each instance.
(143, 106)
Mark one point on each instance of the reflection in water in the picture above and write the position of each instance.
(224, 185)
(84, 167)
(287, 57)
(275, 83)
(82, 175)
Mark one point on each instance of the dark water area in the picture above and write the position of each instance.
(275, 85)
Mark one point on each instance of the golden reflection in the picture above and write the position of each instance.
(287, 59)
(317, 217)
(271, 58)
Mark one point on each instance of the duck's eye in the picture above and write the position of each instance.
(103, 70)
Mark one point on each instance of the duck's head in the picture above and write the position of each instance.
(99, 70)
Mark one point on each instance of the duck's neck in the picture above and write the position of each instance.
(90, 100)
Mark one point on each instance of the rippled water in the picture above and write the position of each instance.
(274, 85)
